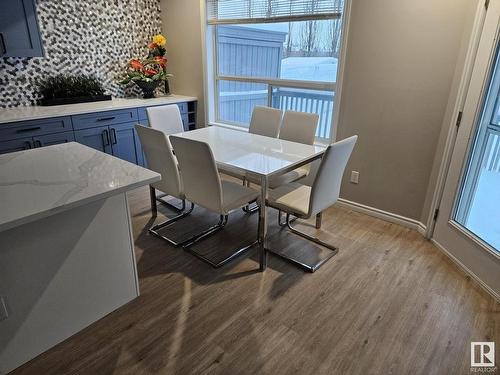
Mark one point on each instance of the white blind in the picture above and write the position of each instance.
(261, 11)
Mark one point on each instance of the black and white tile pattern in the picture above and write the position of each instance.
(86, 37)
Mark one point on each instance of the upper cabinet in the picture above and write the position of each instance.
(19, 32)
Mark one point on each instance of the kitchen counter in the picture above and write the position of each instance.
(40, 112)
(44, 181)
(67, 254)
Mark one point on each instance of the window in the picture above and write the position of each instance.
(279, 53)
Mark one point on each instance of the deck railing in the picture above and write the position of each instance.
(491, 159)
(236, 106)
(319, 102)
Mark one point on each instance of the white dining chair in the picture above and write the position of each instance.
(304, 201)
(160, 158)
(204, 187)
(265, 121)
(166, 118)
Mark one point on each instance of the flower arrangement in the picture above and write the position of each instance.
(149, 72)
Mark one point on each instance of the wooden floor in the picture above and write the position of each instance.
(388, 303)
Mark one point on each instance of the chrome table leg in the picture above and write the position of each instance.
(263, 224)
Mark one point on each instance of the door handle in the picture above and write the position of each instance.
(105, 138)
(113, 136)
(106, 118)
(26, 130)
(3, 50)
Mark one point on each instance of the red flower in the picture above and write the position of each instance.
(152, 45)
(150, 72)
(136, 64)
(161, 60)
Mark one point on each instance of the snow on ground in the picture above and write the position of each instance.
(484, 217)
(310, 68)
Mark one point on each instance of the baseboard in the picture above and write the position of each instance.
(384, 215)
(466, 269)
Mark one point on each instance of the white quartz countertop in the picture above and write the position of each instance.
(44, 181)
(38, 112)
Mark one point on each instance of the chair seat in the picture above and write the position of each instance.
(236, 196)
(291, 198)
(283, 179)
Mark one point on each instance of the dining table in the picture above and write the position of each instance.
(257, 156)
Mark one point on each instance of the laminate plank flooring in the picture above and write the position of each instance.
(389, 303)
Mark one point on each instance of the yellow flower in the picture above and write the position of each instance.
(160, 40)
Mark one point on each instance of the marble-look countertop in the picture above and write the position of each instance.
(44, 181)
(38, 112)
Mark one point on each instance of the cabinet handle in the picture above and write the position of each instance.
(3, 50)
(105, 138)
(113, 136)
(28, 145)
(106, 118)
(25, 130)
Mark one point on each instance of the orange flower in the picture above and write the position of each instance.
(136, 64)
(152, 45)
(161, 60)
(150, 72)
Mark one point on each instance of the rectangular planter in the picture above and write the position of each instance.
(75, 100)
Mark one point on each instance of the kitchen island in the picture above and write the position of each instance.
(66, 245)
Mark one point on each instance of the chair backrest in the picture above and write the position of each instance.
(166, 118)
(265, 121)
(160, 159)
(199, 174)
(326, 186)
(299, 127)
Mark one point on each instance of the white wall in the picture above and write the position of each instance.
(182, 26)
(401, 59)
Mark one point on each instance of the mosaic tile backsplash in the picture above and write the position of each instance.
(85, 37)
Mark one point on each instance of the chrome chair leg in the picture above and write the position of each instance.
(318, 220)
(283, 223)
(247, 209)
(154, 229)
(152, 196)
(159, 198)
(208, 232)
(311, 267)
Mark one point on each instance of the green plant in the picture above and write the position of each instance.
(69, 86)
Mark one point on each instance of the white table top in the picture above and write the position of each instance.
(39, 112)
(257, 154)
(44, 181)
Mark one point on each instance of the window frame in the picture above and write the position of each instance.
(212, 77)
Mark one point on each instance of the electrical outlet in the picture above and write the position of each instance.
(354, 177)
(4, 314)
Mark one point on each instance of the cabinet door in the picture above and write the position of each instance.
(98, 138)
(53, 139)
(16, 145)
(125, 143)
(19, 33)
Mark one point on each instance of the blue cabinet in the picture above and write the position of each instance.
(53, 139)
(120, 140)
(97, 138)
(125, 143)
(112, 132)
(16, 145)
(19, 32)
